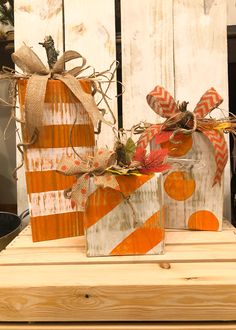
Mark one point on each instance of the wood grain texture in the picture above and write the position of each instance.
(32, 23)
(121, 326)
(116, 226)
(201, 57)
(90, 30)
(197, 169)
(192, 281)
(231, 12)
(176, 293)
(147, 55)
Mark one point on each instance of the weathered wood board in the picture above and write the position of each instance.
(193, 280)
(201, 58)
(129, 221)
(181, 45)
(90, 30)
(189, 194)
(154, 50)
(147, 55)
(34, 21)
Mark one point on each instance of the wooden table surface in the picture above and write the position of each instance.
(191, 286)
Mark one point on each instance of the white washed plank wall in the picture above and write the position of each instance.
(90, 30)
(200, 49)
(33, 21)
(147, 55)
(179, 44)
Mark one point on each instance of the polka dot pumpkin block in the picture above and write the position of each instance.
(126, 222)
(192, 202)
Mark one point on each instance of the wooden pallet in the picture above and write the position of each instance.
(54, 281)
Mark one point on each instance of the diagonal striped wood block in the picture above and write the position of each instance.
(51, 214)
(127, 223)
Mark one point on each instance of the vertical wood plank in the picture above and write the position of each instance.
(90, 30)
(33, 21)
(200, 56)
(147, 55)
(231, 12)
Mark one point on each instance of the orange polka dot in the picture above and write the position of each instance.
(83, 191)
(179, 185)
(178, 149)
(64, 168)
(96, 164)
(203, 220)
(77, 162)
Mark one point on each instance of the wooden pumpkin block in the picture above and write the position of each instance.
(191, 199)
(66, 127)
(126, 222)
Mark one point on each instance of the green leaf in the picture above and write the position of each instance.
(129, 150)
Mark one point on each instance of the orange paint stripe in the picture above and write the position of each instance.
(143, 238)
(56, 91)
(103, 200)
(47, 181)
(57, 226)
(58, 136)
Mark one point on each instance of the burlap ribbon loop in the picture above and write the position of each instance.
(31, 65)
(182, 121)
(84, 169)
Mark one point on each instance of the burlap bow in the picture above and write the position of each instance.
(180, 120)
(30, 64)
(83, 170)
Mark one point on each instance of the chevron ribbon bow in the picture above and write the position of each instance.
(83, 170)
(164, 105)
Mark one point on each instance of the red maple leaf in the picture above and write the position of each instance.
(155, 161)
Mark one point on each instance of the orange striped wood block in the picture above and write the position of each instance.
(51, 214)
(191, 199)
(115, 226)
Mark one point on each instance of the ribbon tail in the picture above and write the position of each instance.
(208, 102)
(34, 101)
(148, 135)
(80, 193)
(86, 99)
(221, 152)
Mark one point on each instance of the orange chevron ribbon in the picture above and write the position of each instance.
(161, 101)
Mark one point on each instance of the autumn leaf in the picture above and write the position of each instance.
(155, 162)
(129, 150)
(139, 155)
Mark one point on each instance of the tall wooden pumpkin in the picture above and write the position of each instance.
(66, 128)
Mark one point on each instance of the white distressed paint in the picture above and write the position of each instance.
(231, 12)
(199, 165)
(201, 58)
(47, 159)
(147, 55)
(115, 226)
(90, 30)
(33, 21)
(49, 202)
(66, 114)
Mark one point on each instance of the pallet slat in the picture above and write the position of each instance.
(121, 326)
(90, 30)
